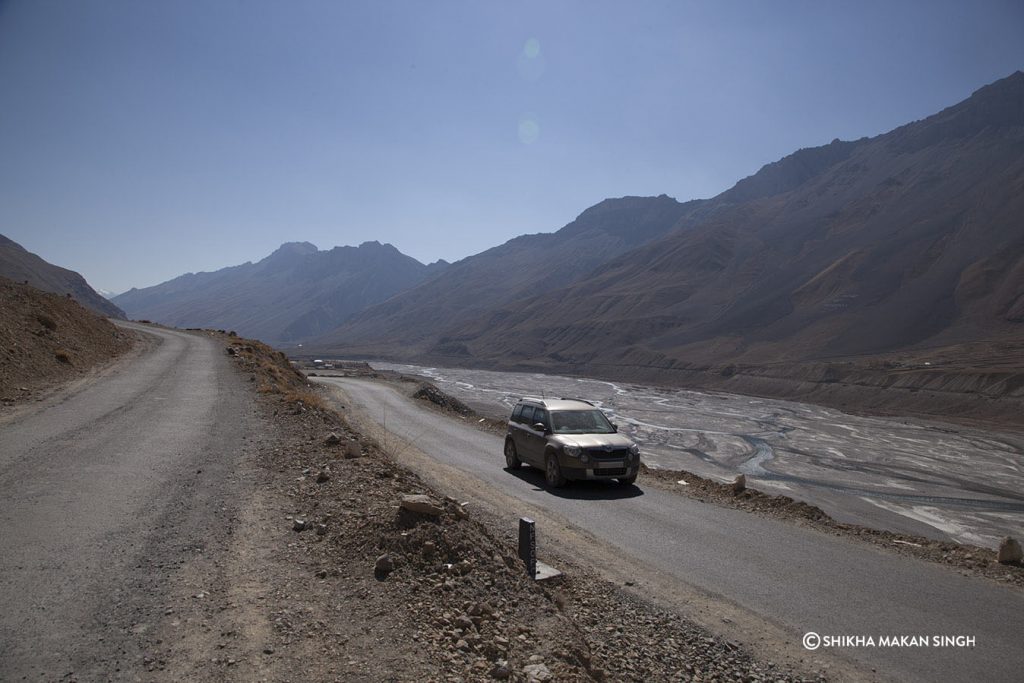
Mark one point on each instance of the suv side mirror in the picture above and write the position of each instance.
(539, 426)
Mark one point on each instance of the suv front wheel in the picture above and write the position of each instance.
(511, 455)
(553, 472)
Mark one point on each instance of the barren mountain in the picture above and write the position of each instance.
(295, 293)
(23, 266)
(908, 240)
(508, 275)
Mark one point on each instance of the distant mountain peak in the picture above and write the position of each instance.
(302, 248)
(290, 251)
(296, 292)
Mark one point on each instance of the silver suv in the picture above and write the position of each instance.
(569, 438)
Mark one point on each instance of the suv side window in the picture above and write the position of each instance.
(541, 415)
(527, 415)
(517, 413)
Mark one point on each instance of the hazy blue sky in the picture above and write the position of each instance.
(141, 140)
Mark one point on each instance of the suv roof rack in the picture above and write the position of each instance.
(546, 401)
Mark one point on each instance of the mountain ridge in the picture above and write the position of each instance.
(20, 265)
(291, 294)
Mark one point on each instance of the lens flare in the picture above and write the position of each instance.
(529, 129)
(531, 61)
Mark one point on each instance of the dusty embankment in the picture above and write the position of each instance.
(393, 594)
(47, 340)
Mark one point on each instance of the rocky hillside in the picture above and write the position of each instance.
(23, 266)
(905, 241)
(295, 293)
(47, 338)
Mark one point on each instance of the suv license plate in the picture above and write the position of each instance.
(609, 465)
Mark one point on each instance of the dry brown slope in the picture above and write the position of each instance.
(47, 338)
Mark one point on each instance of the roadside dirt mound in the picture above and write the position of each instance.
(47, 338)
(428, 392)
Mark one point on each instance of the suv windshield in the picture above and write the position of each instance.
(580, 422)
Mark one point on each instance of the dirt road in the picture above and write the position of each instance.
(106, 494)
(796, 579)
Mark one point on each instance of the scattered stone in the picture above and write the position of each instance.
(299, 525)
(1010, 551)
(322, 476)
(537, 673)
(321, 529)
(384, 565)
(501, 671)
(332, 439)
(739, 484)
(424, 505)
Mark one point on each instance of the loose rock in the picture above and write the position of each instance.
(537, 672)
(501, 670)
(424, 505)
(1010, 551)
(384, 565)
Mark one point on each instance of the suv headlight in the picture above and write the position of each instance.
(572, 450)
(634, 452)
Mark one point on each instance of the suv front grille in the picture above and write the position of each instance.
(602, 454)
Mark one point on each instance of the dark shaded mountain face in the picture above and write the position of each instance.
(907, 240)
(510, 274)
(295, 293)
(23, 266)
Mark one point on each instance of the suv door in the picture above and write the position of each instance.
(537, 438)
(518, 430)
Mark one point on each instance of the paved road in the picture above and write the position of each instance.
(805, 580)
(102, 495)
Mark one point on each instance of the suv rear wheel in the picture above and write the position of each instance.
(552, 472)
(511, 456)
